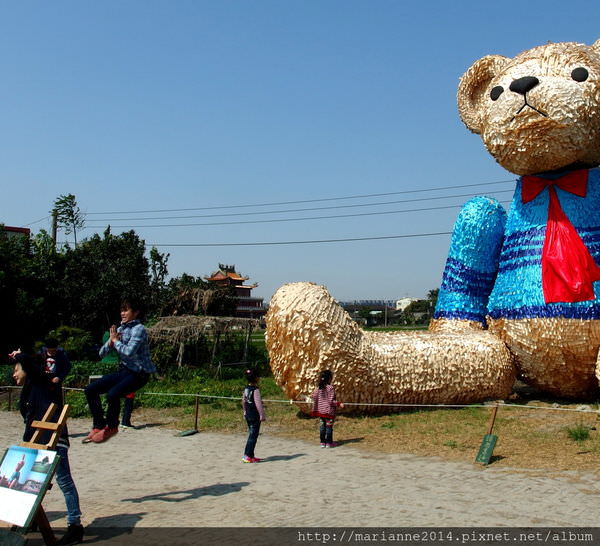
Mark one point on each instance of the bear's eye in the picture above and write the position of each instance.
(580, 74)
(496, 92)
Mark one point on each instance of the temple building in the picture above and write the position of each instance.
(247, 306)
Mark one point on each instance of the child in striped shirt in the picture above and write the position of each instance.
(324, 406)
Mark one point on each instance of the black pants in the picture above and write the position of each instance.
(127, 411)
(116, 385)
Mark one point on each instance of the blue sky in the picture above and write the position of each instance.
(143, 106)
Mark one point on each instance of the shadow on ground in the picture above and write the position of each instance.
(282, 457)
(187, 494)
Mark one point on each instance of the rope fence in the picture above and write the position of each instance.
(360, 404)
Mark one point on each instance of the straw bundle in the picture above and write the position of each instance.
(189, 328)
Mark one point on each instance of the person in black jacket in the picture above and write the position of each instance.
(37, 394)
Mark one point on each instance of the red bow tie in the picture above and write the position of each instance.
(568, 269)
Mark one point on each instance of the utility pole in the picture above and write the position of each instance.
(54, 226)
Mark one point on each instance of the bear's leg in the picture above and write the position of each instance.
(307, 331)
(471, 266)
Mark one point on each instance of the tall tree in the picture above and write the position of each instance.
(49, 271)
(66, 213)
(432, 296)
(158, 276)
(99, 273)
(188, 295)
(21, 293)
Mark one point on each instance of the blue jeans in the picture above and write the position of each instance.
(67, 486)
(116, 385)
(326, 431)
(253, 430)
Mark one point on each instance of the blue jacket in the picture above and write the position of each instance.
(133, 347)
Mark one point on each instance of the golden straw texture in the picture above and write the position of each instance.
(307, 331)
(556, 355)
(568, 131)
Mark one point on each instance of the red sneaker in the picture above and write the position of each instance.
(92, 433)
(104, 434)
(256, 460)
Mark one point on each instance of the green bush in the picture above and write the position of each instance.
(6, 374)
(76, 342)
(77, 403)
(199, 353)
(579, 433)
(163, 355)
(81, 371)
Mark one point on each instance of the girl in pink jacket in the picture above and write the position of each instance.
(324, 406)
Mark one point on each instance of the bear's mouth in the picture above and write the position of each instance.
(527, 105)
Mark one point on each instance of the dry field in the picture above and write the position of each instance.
(548, 439)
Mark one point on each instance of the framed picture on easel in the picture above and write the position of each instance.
(24, 477)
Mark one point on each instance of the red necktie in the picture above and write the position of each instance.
(568, 269)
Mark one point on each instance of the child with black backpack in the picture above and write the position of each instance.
(254, 414)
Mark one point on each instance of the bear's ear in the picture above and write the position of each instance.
(473, 86)
(596, 45)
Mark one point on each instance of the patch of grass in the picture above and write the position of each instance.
(78, 404)
(159, 393)
(578, 433)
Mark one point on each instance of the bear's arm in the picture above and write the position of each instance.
(472, 261)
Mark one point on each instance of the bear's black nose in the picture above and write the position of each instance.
(522, 85)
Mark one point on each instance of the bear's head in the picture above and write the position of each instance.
(539, 111)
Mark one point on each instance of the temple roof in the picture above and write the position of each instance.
(226, 272)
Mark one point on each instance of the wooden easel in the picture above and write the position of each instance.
(45, 425)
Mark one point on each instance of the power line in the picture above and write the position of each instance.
(37, 221)
(305, 200)
(318, 241)
(274, 220)
(255, 213)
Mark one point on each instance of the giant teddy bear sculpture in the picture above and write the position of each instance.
(519, 293)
